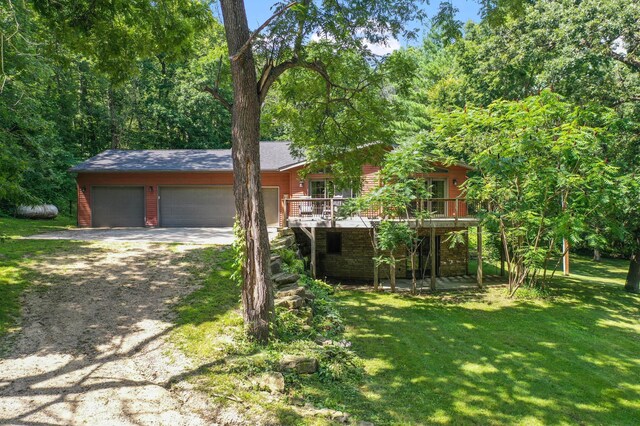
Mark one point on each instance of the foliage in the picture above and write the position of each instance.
(58, 106)
(210, 328)
(291, 262)
(540, 175)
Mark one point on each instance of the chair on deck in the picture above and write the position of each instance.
(306, 207)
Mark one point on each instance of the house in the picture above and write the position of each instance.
(193, 188)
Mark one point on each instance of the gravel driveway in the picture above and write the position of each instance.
(222, 236)
(93, 348)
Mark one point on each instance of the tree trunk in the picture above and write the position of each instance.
(257, 291)
(632, 284)
(392, 274)
(596, 255)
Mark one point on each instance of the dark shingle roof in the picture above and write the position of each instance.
(273, 156)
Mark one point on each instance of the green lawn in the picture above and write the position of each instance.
(479, 358)
(452, 358)
(15, 256)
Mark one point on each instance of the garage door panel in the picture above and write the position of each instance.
(207, 206)
(204, 206)
(115, 206)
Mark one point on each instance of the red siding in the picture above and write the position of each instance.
(288, 183)
(154, 180)
(370, 178)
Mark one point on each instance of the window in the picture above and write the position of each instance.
(334, 243)
(438, 191)
(325, 188)
(318, 188)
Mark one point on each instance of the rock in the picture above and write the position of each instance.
(284, 242)
(307, 315)
(286, 231)
(287, 287)
(299, 363)
(308, 294)
(45, 211)
(363, 423)
(297, 401)
(276, 266)
(274, 257)
(272, 381)
(284, 278)
(291, 291)
(291, 302)
(340, 417)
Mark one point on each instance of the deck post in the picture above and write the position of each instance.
(479, 272)
(311, 233)
(432, 250)
(456, 211)
(313, 253)
(333, 219)
(285, 200)
(376, 267)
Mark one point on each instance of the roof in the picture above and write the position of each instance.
(274, 156)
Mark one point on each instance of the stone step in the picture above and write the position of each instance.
(290, 302)
(283, 278)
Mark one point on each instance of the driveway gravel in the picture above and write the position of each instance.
(222, 236)
(93, 345)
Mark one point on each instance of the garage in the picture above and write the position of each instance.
(116, 206)
(207, 206)
(177, 187)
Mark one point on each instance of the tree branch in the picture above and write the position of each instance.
(271, 74)
(213, 91)
(625, 59)
(247, 43)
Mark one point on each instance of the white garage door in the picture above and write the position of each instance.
(207, 206)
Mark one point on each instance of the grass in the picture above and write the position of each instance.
(451, 358)
(16, 255)
(480, 358)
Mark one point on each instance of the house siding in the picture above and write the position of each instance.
(152, 182)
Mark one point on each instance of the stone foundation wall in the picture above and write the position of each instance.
(355, 262)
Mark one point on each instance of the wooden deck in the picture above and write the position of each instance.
(329, 213)
(358, 222)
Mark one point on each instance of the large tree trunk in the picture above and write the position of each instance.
(257, 292)
(632, 284)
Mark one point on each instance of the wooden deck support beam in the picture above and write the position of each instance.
(479, 270)
(313, 253)
(432, 250)
(311, 233)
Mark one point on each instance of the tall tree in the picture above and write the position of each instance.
(282, 43)
(540, 175)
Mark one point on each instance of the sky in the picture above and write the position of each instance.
(260, 10)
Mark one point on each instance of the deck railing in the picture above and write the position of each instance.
(330, 209)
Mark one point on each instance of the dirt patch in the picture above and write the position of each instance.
(93, 347)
